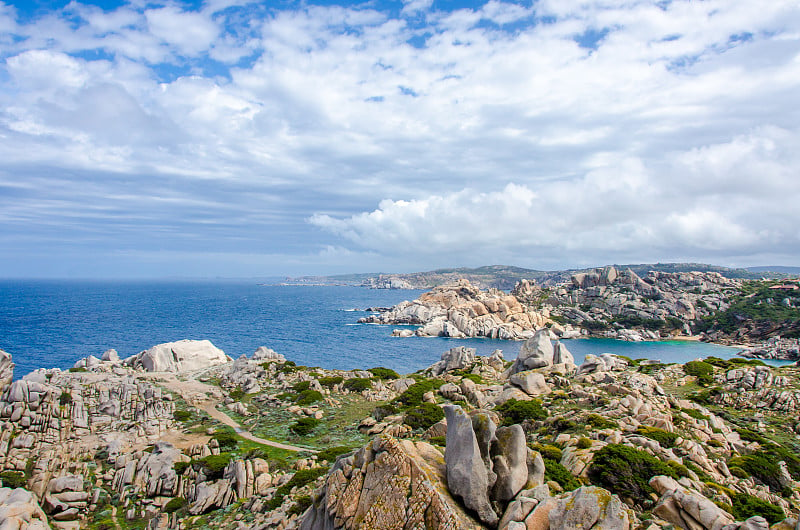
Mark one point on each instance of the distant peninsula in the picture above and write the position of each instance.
(505, 277)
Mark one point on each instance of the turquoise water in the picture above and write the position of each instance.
(55, 323)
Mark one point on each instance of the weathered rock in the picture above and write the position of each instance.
(532, 383)
(536, 352)
(6, 370)
(687, 508)
(753, 523)
(110, 356)
(266, 354)
(454, 359)
(180, 356)
(590, 507)
(509, 456)
(466, 474)
(603, 363)
(388, 484)
(19, 510)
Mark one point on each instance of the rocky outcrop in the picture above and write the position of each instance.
(605, 362)
(180, 356)
(19, 510)
(6, 370)
(387, 484)
(458, 358)
(263, 353)
(596, 298)
(686, 508)
(540, 352)
(467, 476)
(461, 310)
(590, 508)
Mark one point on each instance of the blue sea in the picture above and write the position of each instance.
(47, 324)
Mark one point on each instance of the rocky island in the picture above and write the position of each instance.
(182, 436)
(619, 304)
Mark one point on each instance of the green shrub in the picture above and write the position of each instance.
(13, 479)
(75, 370)
(651, 368)
(583, 443)
(357, 384)
(298, 480)
(599, 422)
(703, 371)
(65, 398)
(182, 415)
(678, 468)
(288, 367)
(307, 397)
(763, 465)
(413, 394)
(237, 394)
(304, 426)
(180, 467)
(548, 451)
(384, 373)
(626, 471)
(329, 382)
(438, 440)
(175, 504)
(514, 411)
(331, 453)
(694, 413)
(554, 471)
(423, 416)
(301, 386)
(665, 438)
(225, 439)
(738, 472)
(714, 443)
(560, 425)
(475, 378)
(301, 504)
(749, 435)
(381, 411)
(745, 506)
(214, 465)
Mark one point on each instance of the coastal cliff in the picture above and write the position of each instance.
(470, 442)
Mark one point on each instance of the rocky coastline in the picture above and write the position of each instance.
(603, 302)
(183, 436)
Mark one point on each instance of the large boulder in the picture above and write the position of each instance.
(266, 354)
(19, 509)
(180, 356)
(389, 483)
(536, 352)
(510, 458)
(6, 370)
(687, 508)
(590, 507)
(467, 477)
(458, 358)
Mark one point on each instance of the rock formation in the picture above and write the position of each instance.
(6, 370)
(19, 510)
(461, 310)
(180, 356)
(388, 484)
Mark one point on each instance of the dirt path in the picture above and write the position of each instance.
(206, 398)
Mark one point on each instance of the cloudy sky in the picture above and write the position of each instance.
(236, 138)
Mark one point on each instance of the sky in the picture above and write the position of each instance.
(230, 138)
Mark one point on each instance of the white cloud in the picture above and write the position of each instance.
(678, 120)
(191, 33)
(627, 207)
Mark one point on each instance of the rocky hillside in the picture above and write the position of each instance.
(602, 302)
(505, 276)
(470, 442)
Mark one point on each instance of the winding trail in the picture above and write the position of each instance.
(206, 398)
